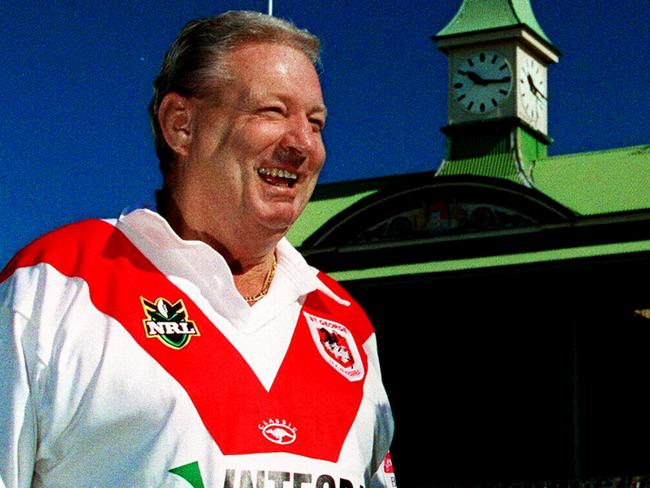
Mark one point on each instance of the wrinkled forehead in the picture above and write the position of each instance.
(258, 57)
(258, 69)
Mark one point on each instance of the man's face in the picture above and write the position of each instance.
(256, 152)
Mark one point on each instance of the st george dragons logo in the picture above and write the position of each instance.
(336, 345)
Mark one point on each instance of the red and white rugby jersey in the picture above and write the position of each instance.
(129, 359)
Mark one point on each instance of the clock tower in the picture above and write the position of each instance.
(497, 89)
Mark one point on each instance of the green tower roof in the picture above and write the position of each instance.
(480, 15)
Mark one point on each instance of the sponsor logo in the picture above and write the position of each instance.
(337, 346)
(249, 478)
(168, 323)
(388, 464)
(389, 472)
(278, 431)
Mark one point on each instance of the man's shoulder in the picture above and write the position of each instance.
(67, 243)
(344, 307)
(336, 287)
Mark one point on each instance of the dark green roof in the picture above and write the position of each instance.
(484, 262)
(329, 199)
(493, 150)
(319, 211)
(597, 182)
(500, 165)
(591, 183)
(479, 15)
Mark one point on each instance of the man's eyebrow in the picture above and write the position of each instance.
(250, 99)
(319, 108)
(247, 98)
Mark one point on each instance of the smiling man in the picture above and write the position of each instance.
(193, 345)
(247, 152)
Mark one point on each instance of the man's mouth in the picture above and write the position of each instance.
(278, 177)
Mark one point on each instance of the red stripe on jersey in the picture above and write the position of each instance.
(308, 394)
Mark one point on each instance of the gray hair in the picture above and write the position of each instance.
(196, 60)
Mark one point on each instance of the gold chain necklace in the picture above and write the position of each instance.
(265, 286)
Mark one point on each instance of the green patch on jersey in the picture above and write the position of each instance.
(191, 473)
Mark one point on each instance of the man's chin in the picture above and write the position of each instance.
(279, 220)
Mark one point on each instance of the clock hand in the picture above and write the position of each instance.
(505, 79)
(479, 80)
(476, 78)
(534, 89)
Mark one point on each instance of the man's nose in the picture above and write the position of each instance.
(300, 135)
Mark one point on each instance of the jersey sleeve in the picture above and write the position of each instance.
(381, 464)
(18, 427)
(385, 475)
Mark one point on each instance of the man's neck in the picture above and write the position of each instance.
(250, 260)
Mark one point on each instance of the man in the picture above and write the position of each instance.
(195, 346)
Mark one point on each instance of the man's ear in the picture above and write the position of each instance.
(174, 117)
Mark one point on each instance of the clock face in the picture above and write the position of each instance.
(482, 81)
(532, 90)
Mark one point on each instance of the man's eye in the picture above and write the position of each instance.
(317, 124)
(273, 110)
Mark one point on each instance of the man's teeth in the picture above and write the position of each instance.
(277, 173)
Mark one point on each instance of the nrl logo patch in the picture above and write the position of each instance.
(168, 323)
(337, 347)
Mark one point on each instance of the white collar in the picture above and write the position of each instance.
(153, 235)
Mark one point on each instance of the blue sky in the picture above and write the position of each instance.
(76, 77)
